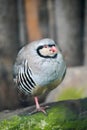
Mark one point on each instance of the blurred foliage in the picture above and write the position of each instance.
(71, 93)
(58, 118)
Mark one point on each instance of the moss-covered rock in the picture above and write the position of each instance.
(67, 115)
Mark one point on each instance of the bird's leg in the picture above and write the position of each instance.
(42, 109)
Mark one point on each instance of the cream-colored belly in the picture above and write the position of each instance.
(38, 90)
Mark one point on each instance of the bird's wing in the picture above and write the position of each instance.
(24, 78)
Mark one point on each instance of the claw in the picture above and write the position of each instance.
(42, 109)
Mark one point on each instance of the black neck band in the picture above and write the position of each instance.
(38, 51)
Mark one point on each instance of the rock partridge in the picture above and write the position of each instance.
(39, 67)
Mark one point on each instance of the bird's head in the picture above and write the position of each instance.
(47, 48)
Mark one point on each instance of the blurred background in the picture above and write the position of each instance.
(23, 21)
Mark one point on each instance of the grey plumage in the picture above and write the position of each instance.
(35, 74)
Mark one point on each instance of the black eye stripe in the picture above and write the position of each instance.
(40, 47)
(51, 45)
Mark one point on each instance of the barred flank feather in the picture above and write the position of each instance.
(25, 79)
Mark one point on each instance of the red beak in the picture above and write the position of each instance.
(53, 49)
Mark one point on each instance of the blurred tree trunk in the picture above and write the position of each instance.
(43, 18)
(69, 25)
(8, 50)
(21, 23)
(85, 35)
(51, 21)
(32, 19)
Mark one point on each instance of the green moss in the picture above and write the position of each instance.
(58, 118)
(71, 93)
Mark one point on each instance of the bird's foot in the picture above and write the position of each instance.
(42, 109)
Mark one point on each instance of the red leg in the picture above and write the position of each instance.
(37, 103)
(42, 109)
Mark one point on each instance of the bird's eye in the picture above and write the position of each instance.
(45, 46)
